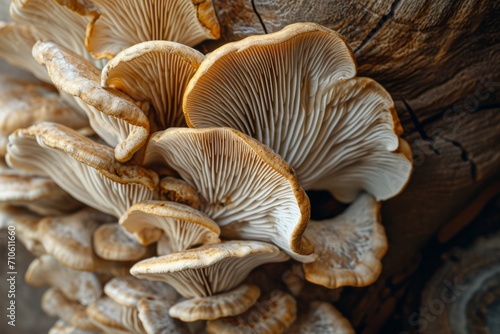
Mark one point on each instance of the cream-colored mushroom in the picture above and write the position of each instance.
(81, 286)
(62, 327)
(114, 318)
(156, 72)
(182, 226)
(83, 168)
(322, 318)
(26, 227)
(296, 91)
(113, 243)
(113, 115)
(123, 23)
(349, 246)
(272, 315)
(155, 319)
(246, 188)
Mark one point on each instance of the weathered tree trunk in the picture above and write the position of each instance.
(440, 61)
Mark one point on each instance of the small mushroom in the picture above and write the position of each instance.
(349, 246)
(155, 319)
(156, 72)
(295, 90)
(182, 226)
(56, 304)
(247, 189)
(114, 318)
(80, 286)
(121, 24)
(112, 242)
(322, 318)
(225, 304)
(113, 115)
(272, 315)
(83, 168)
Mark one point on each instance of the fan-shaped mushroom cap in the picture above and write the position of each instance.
(113, 243)
(39, 194)
(271, 315)
(69, 239)
(80, 286)
(182, 226)
(114, 318)
(83, 168)
(322, 318)
(112, 115)
(124, 23)
(24, 103)
(295, 91)
(349, 246)
(128, 290)
(61, 21)
(155, 319)
(26, 224)
(226, 304)
(247, 189)
(62, 327)
(56, 304)
(176, 190)
(210, 269)
(156, 72)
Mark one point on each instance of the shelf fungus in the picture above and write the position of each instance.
(247, 189)
(123, 23)
(209, 276)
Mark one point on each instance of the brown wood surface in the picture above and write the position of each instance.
(440, 61)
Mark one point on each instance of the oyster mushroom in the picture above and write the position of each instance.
(121, 24)
(26, 224)
(114, 318)
(176, 190)
(322, 318)
(182, 227)
(247, 189)
(349, 246)
(83, 168)
(155, 319)
(62, 327)
(296, 91)
(112, 242)
(206, 272)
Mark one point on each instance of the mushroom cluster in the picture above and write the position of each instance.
(151, 180)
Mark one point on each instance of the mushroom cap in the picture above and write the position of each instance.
(349, 246)
(83, 168)
(26, 224)
(155, 319)
(225, 304)
(112, 115)
(114, 318)
(69, 239)
(295, 91)
(271, 315)
(121, 24)
(84, 287)
(112, 242)
(210, 269)
(176, 190)
(56, 304)
(182, 226)
(128, 290)
(62, 327)
(247, 189)
(156, 72)
(322, 318)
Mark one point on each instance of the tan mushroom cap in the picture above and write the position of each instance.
(156, 72)
(124, 23)
(83, 168)
(128, 290)
(322, 318)
(69, 239)
(80, 286)
(112, 242)
(114, 318)
(182, 226)
(155, 319)
(24, 103)
(39, 194)
(349, 246)
(210, 269)
(272, 315)
(56, 304)
(62, 327)
(176, 190)
(295, 91)
(61, 21)
(247, 189)
(112, 115)
(226, 304)
(26, 224)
